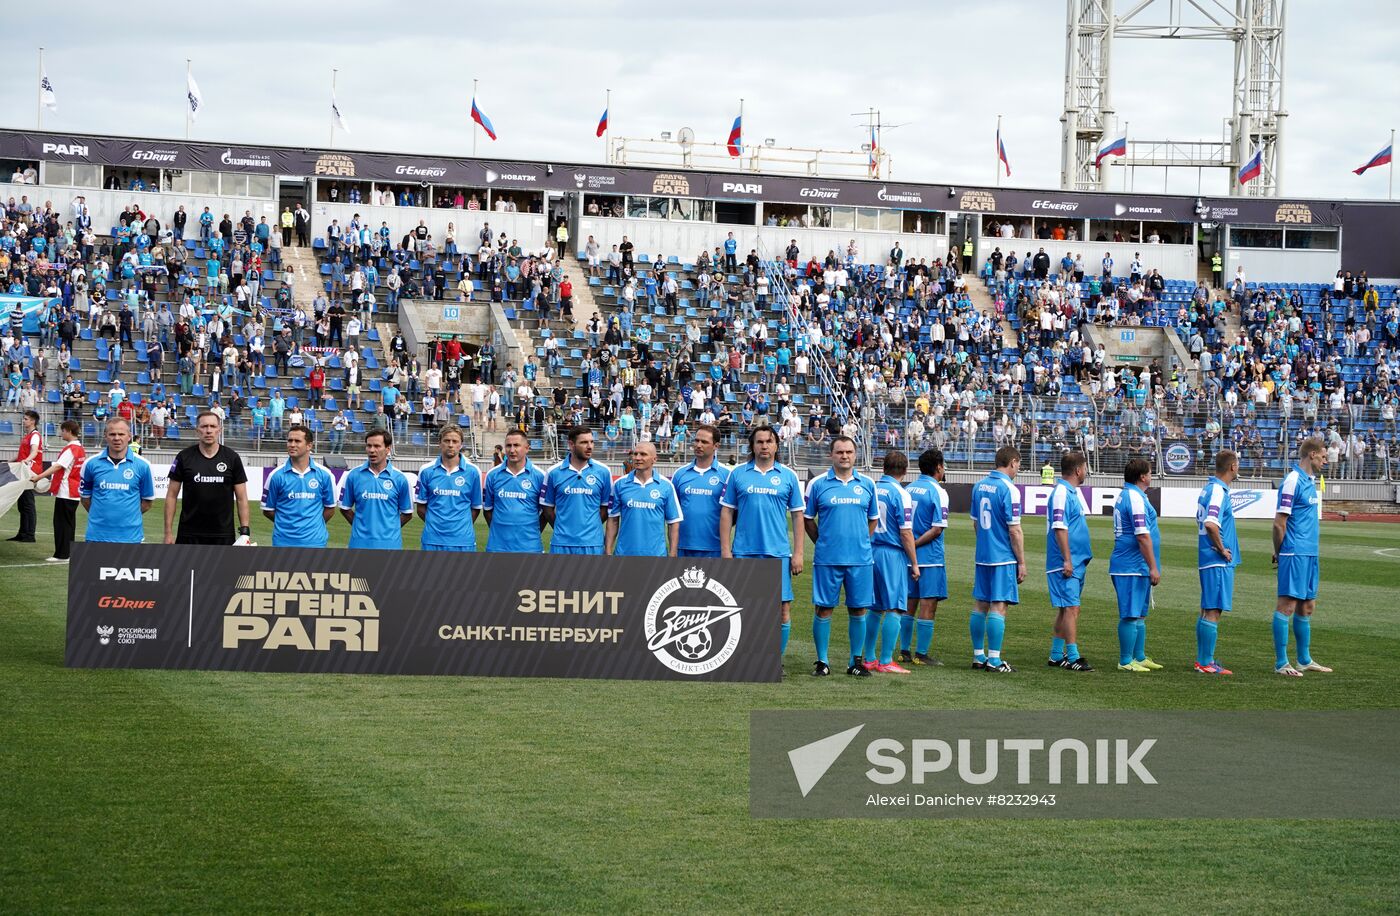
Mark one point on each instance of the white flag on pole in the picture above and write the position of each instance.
(46, 92)
(339, 118)
(196, 101)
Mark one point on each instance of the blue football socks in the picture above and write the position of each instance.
(1280, 627)
(925, 636)
(996, 632)
(855, 632)
(889, 633)
(821, 635)
(1057, 649)
(869, 643)
(786, 629)
(1140, 641)
(1072, 651)
(1127, 639)
(906, 631)
(977, 626)
(1302, 632)
(1206, 633)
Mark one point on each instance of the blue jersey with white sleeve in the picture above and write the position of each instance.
(1066, 512)
(450, 497)
(643, 510)
(996, 509)
(930, 511)
(1133, 515)
(1213, 508)
(1298, 499)
(514, 503)
(699, 491)
(843, 511)
(896, 509)
(577, 496)
(762, 502)
(298, 500)
(378, 500)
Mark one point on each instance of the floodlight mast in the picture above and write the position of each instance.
(1256, 29)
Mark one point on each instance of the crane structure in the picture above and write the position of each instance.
(1255, 124)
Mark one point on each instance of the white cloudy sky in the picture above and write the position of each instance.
(944, 68)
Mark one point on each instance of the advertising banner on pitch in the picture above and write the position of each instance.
(1035, 497)
(421, 612)
(1180, 502)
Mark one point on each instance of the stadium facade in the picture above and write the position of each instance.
(681, 211)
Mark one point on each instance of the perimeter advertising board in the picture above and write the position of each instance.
(417, 612)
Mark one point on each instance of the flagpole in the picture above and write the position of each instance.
(333, 103)
(998, 160)
(474, 124)
(743, 146)
(187, 98)
(607, 129)
(39, 108)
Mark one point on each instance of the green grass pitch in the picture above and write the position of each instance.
(170, 791)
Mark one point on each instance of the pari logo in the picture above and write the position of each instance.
(66, 149)
(738, 187)
(1178, 458)
(309, 612)
(335, 165)
(686, 630)
(128, 574)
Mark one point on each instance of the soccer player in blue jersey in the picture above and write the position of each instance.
(116, 489)
(931, 585)
(896, 563)
(1217, 555)
(1000, 559)
(700, 487)
(511, 498)
(575, 498)
(762, 499)
(448, 496)
(1067, 556)
(840, 518)
(1296, 525)
(375, 498)
(1135, 565)
(299, 496)
(644, 516)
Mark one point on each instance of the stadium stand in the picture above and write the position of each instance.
(161, 316)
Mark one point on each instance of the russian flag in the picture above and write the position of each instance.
(874, 155)
(1001, 154)
(1253, 167)
(1117, 147)
(736, 137)
(479, 117)
(1379, 159)
(603, 123)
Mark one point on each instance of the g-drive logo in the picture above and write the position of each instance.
(963, 762)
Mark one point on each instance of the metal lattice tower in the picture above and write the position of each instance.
(1256, 28)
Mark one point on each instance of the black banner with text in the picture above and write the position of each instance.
(418, 612)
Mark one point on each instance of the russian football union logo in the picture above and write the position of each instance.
(692, 623)
(104, 634)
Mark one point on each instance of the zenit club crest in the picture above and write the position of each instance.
(692, 623)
